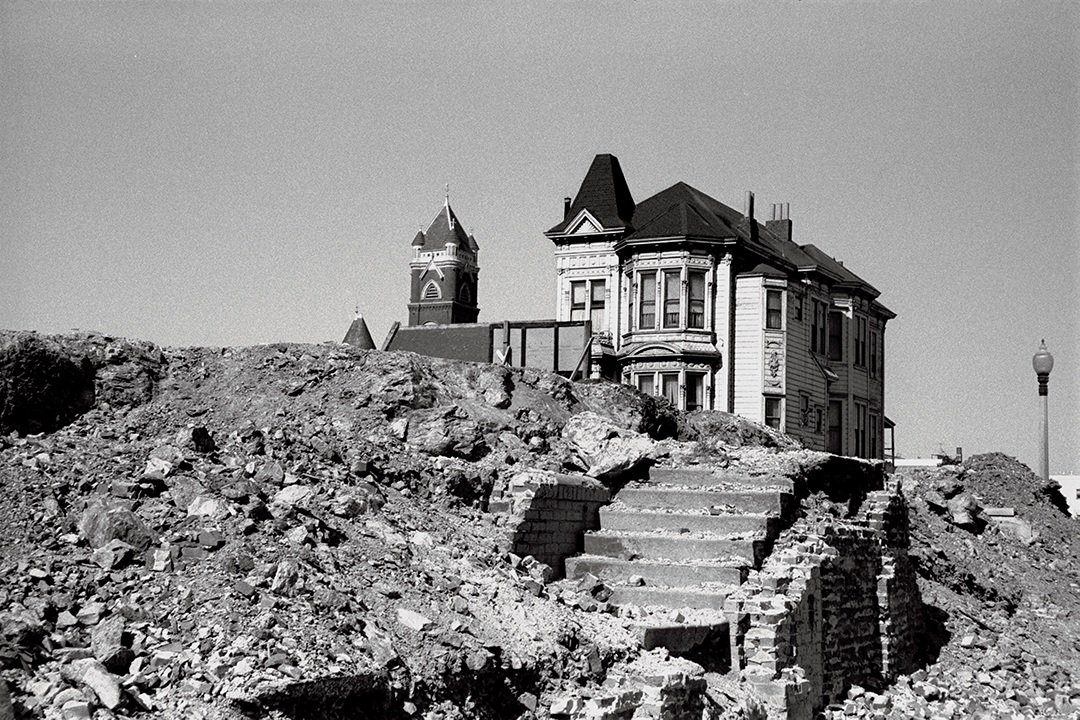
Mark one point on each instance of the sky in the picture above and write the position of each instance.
(232, 173)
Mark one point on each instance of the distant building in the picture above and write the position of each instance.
(445, 269)
(710, 308)
(685, 298)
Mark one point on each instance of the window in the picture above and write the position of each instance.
(804, 409)
(774, 309)
(873, 354)
(860, 341)
(464, 295)
(691, 385)
(696, 300)
(432, 291)
(773, 411)
(577, 300)
(799, 308)
(671, 298)
(819, 421)
(835, 441)
(647, 288)
(836, 335)
(817, 327)
(587, 301)
(873, 436)
(596, 305)
(695, 391)
(669, 387)
(860, 430)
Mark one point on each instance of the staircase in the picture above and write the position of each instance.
(685, 538)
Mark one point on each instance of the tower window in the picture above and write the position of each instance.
(432, 291)
(671, 299)
(587, 302)
(596, 305)
(577, 300)
(465, 296)
(696, 316)
(647, 288)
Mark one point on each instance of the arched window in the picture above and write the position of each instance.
(432, 291)
(464, 295)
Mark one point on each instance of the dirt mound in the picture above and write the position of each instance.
(41, 387)
(288, 529)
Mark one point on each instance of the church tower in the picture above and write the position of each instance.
(444, 269)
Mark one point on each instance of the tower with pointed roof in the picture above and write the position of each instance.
(444, 269)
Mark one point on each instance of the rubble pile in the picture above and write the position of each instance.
(296, 531)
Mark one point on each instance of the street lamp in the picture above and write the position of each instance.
(1043, 362)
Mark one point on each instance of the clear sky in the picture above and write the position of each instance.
(231, 173)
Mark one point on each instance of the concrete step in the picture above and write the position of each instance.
(671, 598)
(683, 638)
(725, 523)
(666, 574)
(747, 501)
(656, 546)
(715, 477)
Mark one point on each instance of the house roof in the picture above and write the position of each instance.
(444, 228)
(837, 269)
(604, 193)
(683, 210)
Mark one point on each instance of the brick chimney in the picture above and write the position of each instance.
(780, 224)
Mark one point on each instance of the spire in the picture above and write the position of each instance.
(449, 214)
(604, 193)
(358, 335)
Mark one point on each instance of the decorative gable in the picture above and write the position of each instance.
(585, 224)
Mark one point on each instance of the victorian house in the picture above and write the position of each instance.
(692, 300)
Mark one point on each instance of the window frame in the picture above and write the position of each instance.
(859, 430)
(647, 280)
(774, 316)
(777, 402)
(672, 281)
(692, 301)
(860, 341)
(818, 324)
(682, 377)
(581, 311)
(873, 366)
(835, 348)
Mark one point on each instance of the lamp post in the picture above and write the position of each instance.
(1043, 362)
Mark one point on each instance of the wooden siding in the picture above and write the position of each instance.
(804, 375)
(747, 353)
(723, 326)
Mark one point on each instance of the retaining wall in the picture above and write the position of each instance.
(549, 513)
(837, 605)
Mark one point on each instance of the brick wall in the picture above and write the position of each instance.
(837, 605)
(548, 513)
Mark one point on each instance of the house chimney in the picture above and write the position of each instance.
(780, 224)
(565, 208)
(748, 205)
